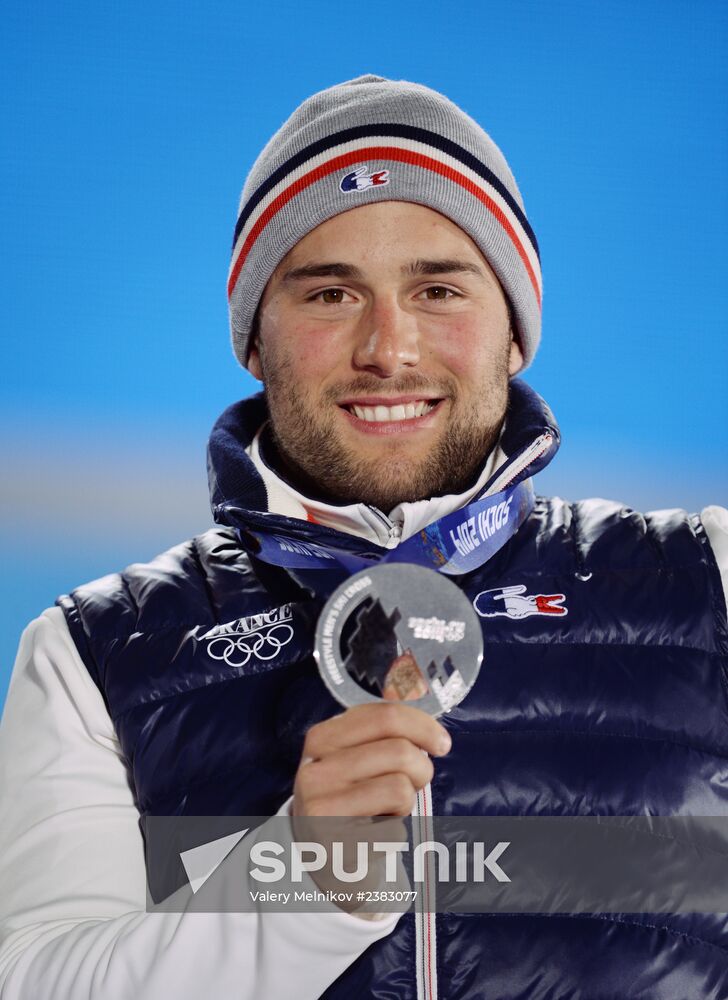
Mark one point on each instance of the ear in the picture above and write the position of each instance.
(515, 358)
(253, 364)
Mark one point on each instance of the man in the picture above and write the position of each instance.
(385, 287)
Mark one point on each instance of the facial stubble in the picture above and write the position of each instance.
(317, 461)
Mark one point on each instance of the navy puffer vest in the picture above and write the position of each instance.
(619, 707)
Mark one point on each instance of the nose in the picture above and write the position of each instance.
(387, 340)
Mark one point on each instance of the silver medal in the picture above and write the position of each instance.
(399, 632)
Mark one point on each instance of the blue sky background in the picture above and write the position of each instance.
(127, 133)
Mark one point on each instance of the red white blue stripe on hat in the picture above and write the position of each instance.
(395, 143)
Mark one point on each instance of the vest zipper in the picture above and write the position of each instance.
(534, 451)
(425, 925)
(425, 903)
(393, 532)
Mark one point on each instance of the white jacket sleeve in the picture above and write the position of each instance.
(715, 522)
(73, 920)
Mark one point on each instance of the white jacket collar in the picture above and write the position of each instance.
(359, 519)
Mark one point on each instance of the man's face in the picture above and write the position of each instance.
(385, 348)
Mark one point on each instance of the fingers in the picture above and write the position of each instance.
(370, 723)
(334, 773)
(385, 795)
(368, 761)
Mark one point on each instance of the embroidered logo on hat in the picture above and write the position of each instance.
(360, 180)
(513, 602)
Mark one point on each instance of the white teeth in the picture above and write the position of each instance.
(402, 411)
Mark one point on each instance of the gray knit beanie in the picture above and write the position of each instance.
(373, 139)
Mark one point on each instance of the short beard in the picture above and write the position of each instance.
(315, 462)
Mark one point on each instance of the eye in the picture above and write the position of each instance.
(333, 296)
(439, 293)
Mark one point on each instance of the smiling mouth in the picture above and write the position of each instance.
(385, 414)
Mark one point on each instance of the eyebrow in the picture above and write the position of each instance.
(417, 267)
(322, 271)
(446, 265)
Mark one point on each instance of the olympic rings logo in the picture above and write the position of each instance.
(236, 650)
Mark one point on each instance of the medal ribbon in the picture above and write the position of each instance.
(455, 544)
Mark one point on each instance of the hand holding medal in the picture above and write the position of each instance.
(398, 644)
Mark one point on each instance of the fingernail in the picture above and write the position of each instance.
(444, 742)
